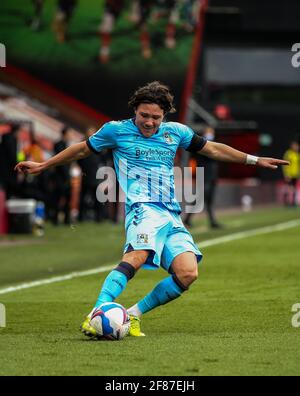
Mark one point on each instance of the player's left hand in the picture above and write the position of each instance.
(271, 163)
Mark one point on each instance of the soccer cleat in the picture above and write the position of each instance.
(135, 327)
(87, 329)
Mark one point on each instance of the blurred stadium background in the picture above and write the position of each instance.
(229, 64)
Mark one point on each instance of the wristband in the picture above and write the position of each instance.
(251, 160)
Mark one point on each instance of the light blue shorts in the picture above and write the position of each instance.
(151, 227)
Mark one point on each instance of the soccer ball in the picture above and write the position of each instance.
(111, 321)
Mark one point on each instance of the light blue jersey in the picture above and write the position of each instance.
(144, 166)
(145, 170)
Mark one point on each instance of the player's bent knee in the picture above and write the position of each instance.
(193, 277)
(136, 258)
(188, 277)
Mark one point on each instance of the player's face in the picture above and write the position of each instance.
(148, 117)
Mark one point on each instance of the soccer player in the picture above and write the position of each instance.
(112, 11)
(292, 174)
(210, 183)
(144, 148)
(64, 12)
(172, 14)
(190, 14)
(38, 13)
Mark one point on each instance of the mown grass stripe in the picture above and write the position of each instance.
(109, 267)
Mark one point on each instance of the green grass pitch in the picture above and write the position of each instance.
(235, 320)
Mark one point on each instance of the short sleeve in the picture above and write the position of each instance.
(105, 138)
(186, 135)
(189, 140)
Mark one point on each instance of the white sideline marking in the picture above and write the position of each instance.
(204, 244)
(245, 234)
(56, 279)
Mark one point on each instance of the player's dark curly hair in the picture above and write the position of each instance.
(154, 92)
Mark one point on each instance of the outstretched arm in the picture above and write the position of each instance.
(222, 152)
(75, 152)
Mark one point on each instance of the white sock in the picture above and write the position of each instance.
(134, 311)
(91, 313)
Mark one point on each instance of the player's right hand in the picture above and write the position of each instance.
(30, 168)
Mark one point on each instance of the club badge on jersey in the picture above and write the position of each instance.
(142, 238)
(168, 138)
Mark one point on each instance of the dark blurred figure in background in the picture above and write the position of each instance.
(112, 10)
(8, 160)
(90, 208)
(33, 151)
(60, 184)
(291, 174)
(169, 9)
(65, 9)
(191, 11)
(34, 186)
(36, 23)
(210, 182)
(140, 15)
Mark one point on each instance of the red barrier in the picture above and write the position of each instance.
(3, 214)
